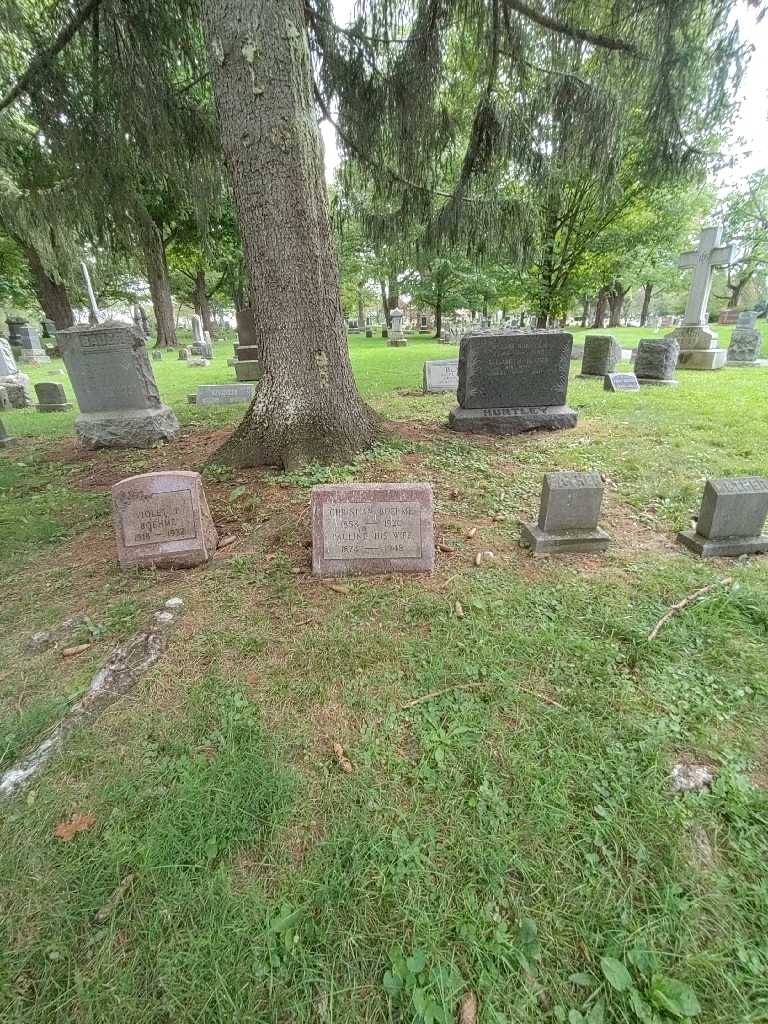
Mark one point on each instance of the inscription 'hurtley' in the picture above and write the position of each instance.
(156, 518)
(389, 529)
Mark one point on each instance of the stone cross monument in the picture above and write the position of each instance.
(698, 343)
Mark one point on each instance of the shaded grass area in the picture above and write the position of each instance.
(515, 835)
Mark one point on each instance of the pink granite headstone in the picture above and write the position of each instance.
(365, 529)
(163, 519)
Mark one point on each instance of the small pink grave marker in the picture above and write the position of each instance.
(365, 529)
(163, 519)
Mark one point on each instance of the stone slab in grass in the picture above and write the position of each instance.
(162, 519)
(620, 382)
(568, 516)
(369, 529)
(224, 394)
(731, 519)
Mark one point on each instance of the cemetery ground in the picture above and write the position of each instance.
(497, 817)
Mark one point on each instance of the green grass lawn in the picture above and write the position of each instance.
(514, 836)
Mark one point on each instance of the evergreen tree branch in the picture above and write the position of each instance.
(41, 60)
(562, 28)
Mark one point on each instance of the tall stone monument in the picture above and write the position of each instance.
(513, 380)
(396, 337)
(697, 341)
(115, 387)
(746, 342)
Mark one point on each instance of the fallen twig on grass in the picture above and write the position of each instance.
(438, 693)
(684, 604)
(544, 697)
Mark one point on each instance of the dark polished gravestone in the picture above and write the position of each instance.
(51, 397)
(368, 529)
(731, 519)
(602, 354)
(162, 519)
(656, 361)
(568, 516)
(115, 387)
(621, 382)
(512, 381)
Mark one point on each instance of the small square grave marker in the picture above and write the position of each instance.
(441, 375)
(366, 529)
(731, 520)
(163, 519)
(621, 382)
(568, 515)
(51, 397)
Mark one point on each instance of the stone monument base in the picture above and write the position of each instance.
(738, 364)
(643, 381)
(512, 421)
(32, 355)
(698, 347)
(701, 359)
(397, 342)
(131, 428)
(723, 547)
(541, 542)
(248, 369)
(590, 376)
(55, 407)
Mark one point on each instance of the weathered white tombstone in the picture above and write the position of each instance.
(366, 529)
(441, 376)
(163, 519)
(746, 342)
(697, 341)
(198, 338)
(396, 337)
(112, 377)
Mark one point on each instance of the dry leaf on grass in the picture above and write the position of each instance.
(226, 541)
(471, 533)
(337, 589)
(344, 763)
(71, 652)
(467, 1009)
(446, 549)
(66, 830)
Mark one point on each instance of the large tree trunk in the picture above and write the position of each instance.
(438, 316)
(306, 406)
(201, 304)
(159, 285)
(360, 306)
(647, 290)
(51, 294)
(735, 289)
(385, 302)
(600, 307)
(616, 298)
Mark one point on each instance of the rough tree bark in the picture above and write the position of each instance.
(306, 407)
(159, 285)
(360, 306)
(616, 296)
(600, 307)
(201, 304)
(51, 294)
(647, 291)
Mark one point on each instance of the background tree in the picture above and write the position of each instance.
(746, 224)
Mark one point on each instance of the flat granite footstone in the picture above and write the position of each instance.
(441, 375)
(568, 516)
(224, 394)
(512, 381)
(732, 518)
(51, 397)
(621, 382)
(115, 387)
(368, 529)
(656, 361)
(162, 519)
(602, 355)
(6, 439)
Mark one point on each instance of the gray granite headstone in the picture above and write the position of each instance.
(602, 354)
(246, 327)
(441, 375)
(19, 392)
(6, 439)
(248, 369)
(731, 520)
(29, 347)
(157, 354)
(5, 402)
(568, 515)
(51, 397)
(621, 382)
(656, 360)
(746, 341)
(184, 353)
(512, 381)
(112, 377)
